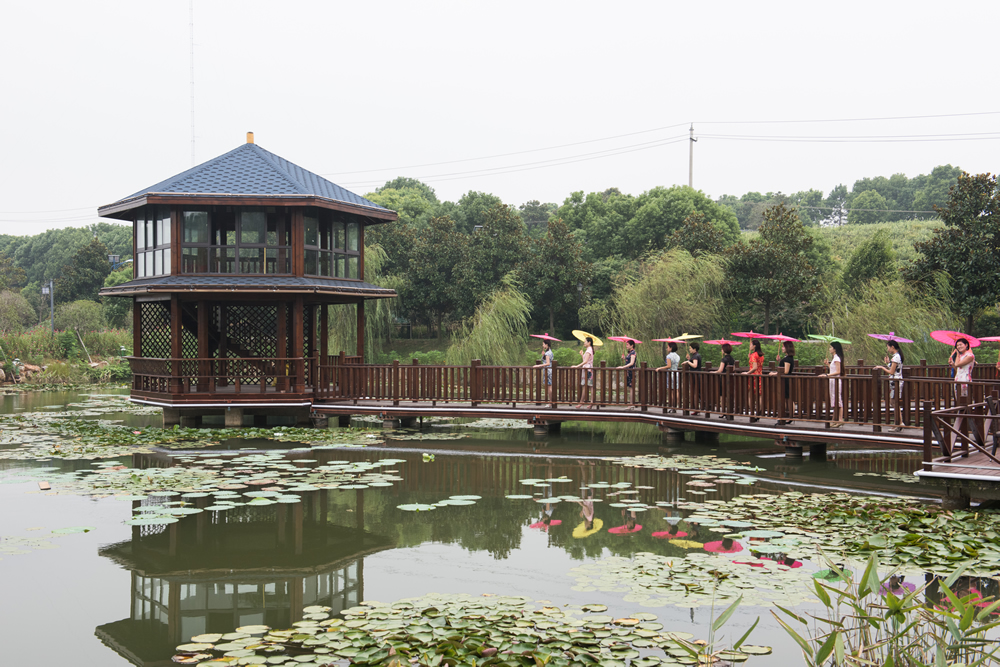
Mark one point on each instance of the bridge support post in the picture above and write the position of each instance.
(793, 449)
(234, 417)
(817, 451)
(171, 417)
(190, 421)
(955, 498)
(390, 423)
(706, 436)
(408, 422)
(672, 434)
(343, 421)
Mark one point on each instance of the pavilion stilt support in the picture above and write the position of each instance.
(956, 498)
(793, 450)
(234, 417)
(171, 417)
(190, 421)
(343, 421)
(706, 436)
(408, 422)
(817, 451)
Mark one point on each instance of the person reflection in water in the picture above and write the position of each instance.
(587, 510)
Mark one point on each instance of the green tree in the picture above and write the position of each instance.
(15, 312)
(11, 275)
(472, 210)
(496, 248)
(116, 310)
(697, 236)
(84, 276)
(868, 208)
(872, 260)
(967, 248)
(935, 190)
(431, 290)
(80, 316)
(416, 204)
(773, 267)
(553, 270)
(536, 213)
(405, 183)
(836, 203)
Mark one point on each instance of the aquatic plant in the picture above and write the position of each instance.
(874, 621)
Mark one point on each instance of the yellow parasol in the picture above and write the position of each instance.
(583, 336)
(581, 530)
(687, 336)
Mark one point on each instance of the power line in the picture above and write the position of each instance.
(62, 210)
(980, 136)
(847, 120)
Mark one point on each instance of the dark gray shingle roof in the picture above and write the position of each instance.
(246, 283)
(251, 170)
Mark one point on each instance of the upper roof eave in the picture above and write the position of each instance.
(115, 210)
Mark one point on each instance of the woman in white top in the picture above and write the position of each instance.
(587, 375)
(894, 367)
(672, 364)
(963, 360)
(836, 386)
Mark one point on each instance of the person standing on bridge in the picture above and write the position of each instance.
(587, 375)
(756, 360)
(787, 364)
(835, 370)
(672, 364)
(630, 359)
(894, 367)
(693, 363)
(725, 366)
(963, 361)
(546, 364)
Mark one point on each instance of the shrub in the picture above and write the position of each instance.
(62, 373)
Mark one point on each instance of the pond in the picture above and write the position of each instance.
(122, 558)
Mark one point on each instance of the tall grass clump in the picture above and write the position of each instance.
(496, 334)
(108, 343)
(891, 306)
(665, 295)
(880, 621)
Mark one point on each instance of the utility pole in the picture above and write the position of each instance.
(691, 157)
(52, 304)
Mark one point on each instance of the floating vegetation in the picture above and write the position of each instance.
(899, 531)
(905, 477)
(697, 580)
(409, 434)
(12, 545)
(689, 465)
(456, 630)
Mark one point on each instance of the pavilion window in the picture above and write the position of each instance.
(152, 241)
(248, 242)
(332, 245)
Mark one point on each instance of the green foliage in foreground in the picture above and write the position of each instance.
(877, 621)
(902, 236)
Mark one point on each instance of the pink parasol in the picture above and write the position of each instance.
(720, 547)
(782, 338)
(949, 337)
(622, 530)
(622, 339)
(989, 339)
(545, 526)
(747, 334)
(667, 535)
(722, 341)
(891, 336)
(545, 336)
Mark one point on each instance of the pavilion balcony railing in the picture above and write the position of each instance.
(862, 395)
(225, 375)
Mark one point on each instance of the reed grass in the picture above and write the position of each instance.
(497, 333)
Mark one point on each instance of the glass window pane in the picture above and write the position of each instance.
(195, 227)
(163, 224)
(140, 233)
(251, 260)
(352, 266)
(341, 265)
(166, 262)
(311, 261)
(194, 260)
(140, 265)
(252, 227)
(223, 229)
(157, 262)
(312, 230)
(151, 233)
(223, 260)
(352, 236)
(149, 263)
(325, 269)
(338, 234)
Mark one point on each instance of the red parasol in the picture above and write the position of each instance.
(949, 337)
(546, 336)
(748, 334)
(667, 535)
(782, 338)
(622, 530)
(720, 547)
(723, 341)
(622, 339)
(891, 336)
(541, 525)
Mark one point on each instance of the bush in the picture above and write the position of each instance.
(62, 373)
(117, 372)
(68, 346)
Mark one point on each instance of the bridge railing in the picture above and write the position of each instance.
(961, 432)
(798, 396)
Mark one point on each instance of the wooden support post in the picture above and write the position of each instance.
(475, 382)
(394, 381)
(204, 366)
(137, 329)
(176, 350)
(876, 400)
(414, 380)
(642, 390)
(927, 410)
(298, 351)
(223, 380)
(555, 387)
(283, 367)
(361, 330)
(324, 334)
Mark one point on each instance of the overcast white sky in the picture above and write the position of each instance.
(96, 94)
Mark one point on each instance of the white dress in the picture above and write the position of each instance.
(836, 386)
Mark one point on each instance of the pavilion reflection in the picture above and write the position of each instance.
(216, 571)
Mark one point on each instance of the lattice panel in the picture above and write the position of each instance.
(189, 335)
(154, 318)
(252, 331)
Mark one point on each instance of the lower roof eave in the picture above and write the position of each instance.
(216, 289)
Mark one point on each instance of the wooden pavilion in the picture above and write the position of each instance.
(237, 263)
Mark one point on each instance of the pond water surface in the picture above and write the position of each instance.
(119, 594)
